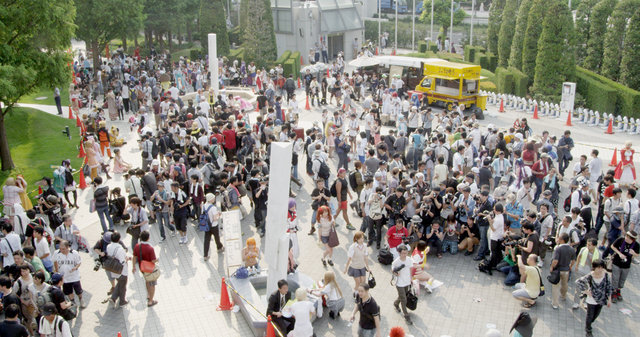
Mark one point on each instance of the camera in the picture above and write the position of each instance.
(514, 241)
(97, 264)
(398, 268)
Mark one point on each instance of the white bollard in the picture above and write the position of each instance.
(596, 118)
(580, 115)
(604, 120)
(619, 125)
(625, 124)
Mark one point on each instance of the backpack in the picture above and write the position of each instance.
(33, 225)
(581, 240)
(204, 223)
(43, 298)
(154, 148)
(353, 182)
(226, 199)
(384, 256)
(68, 177)
(323, 171)
(333, 190)
(375, 210)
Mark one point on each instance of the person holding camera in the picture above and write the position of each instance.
(435, 236)
(375, 207)
(320, 196)
(160, 200)
(396, 236)
(180, 206)
(482, 211)
(497, 226)
(396, 205)
(469, 235)
(401, 268)
(139, 219)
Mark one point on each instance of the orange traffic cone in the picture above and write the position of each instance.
(393, 52)
(610, 127)
(376, 50)
(501, 105)
(301, 61)
(614, 160)
(568, 119)
(328, 74)
(225, 303)
(83, 182)
(78, 122)
(119, 334)
(81, 153)
(39, 189)
(307, 106)
(271, 332)
(70, 113)
(535, 112)
(299, 86)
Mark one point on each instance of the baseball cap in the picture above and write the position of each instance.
(49, 309)
(55, 278)
(341, 170)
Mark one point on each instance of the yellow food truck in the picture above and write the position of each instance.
(448, 83)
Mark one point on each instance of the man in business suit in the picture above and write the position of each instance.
(277, 301)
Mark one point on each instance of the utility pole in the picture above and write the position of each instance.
(395, 42)
(379, 22)
(432, 3)
(473, 15)
(451, 28)
(413, 26)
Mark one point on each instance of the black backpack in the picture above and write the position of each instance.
(384, 256)
(333, 190)
(323, 171)
(154, 148)
(68, 177)
(353, 182)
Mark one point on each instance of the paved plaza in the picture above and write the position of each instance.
(469, 301)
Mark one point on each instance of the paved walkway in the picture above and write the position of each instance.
(467, 303)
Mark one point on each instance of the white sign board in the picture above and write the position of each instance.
(232, 240)
(568, 96)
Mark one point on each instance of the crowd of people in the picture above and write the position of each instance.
(436, 184)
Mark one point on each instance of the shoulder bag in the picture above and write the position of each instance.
(112, 264)
(333, 237)
(412, 299)
(149, 270)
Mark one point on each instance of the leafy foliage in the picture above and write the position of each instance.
(495, 22)
(507, 29)
(212, 20)
(515, 57)
(630, 67)
(34, 37)
(555, 62)
(583, 24)
(441, 14)
(614, 38)
(597, 29)
(532, 34)
(258, 33)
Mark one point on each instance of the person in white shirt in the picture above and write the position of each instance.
(115, 250)
(595, 169)
(52, 325)
(9, 244)
(67, 262)
(458, 160)
(567, 227)
(496, 224)
(139, 218)
(630, 207)
(401, 268)
(214, 215)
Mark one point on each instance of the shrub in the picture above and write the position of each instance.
(296, 58)
(488, 86)
(289, 67)
(284, 57)
(605, 95)
(520, 82)
(422, 47)
(504, 81)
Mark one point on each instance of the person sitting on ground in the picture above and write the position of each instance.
(251, 254)
(528, 291)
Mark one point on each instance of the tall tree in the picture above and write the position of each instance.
(97, 30)
(442, 14)
(507, 30)
(613, 40)
(630, 67)
(495, 21)
(515, 57)
(34, 38)
(583, 24)
(597, 30)
(213, 20)
(532, 34)
(161, 17)
(555, 62)
(258, 33)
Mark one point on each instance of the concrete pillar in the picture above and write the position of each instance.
(276, 240)
(213, 63)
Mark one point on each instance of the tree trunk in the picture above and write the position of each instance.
(124, 44)
(96, 57)
(170, 40)
(188, 26)
(135, 41)
(5, 153)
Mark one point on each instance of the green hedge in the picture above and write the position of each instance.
(504, 80)
(422, 47)
(520, 82)
(492, 61)
(289, 67)
(284, 57)
(470, 53)
(432, 47)
(296, 58)
(236, 54)
(488, 86)
(605, 95)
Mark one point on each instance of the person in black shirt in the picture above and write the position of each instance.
(369, 312)
(320, 196)
(484, 174)
(624, 249)
(469, 234)
(586, 213)
(8, 297)
(11, 326)
(483, 207)
(260, 193)
(395, 205)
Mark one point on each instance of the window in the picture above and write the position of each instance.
(470, 86)
(426, 83)
(282, 20)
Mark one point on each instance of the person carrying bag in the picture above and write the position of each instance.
(144, 256)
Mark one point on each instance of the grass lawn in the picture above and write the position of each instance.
(48, 93)
(36, 142)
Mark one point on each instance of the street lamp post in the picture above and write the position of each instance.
(395, 42)
(473, 15)
(451, 28)
(413, 25)
(432, 3)
(379, 22)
